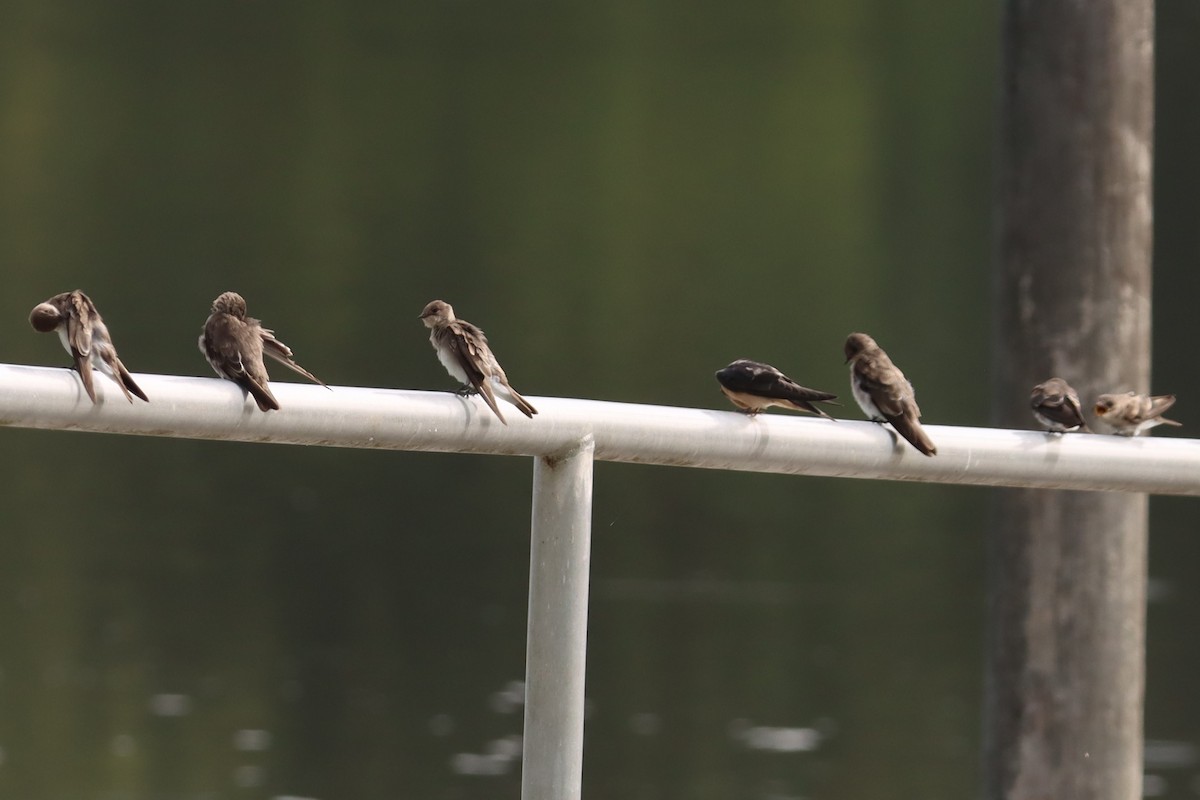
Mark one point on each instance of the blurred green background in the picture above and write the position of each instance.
(626, 196)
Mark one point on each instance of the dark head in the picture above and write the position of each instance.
(1055, 390)
(733, 366)
(857, 344)
(437, 312)
(45, 317)
(230, 303)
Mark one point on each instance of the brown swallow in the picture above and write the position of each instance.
(1056, 406)
(464, 352)
(882, 391)
(1129, 414)
(753, 387)
(85, 337)
(235, 344)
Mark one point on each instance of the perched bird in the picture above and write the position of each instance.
(882, 391)
(85, 336)
(1129, 414)
(753, 387)
(463, 350)
(1056, 406)
(235, 344)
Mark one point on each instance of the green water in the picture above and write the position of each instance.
(626, 197)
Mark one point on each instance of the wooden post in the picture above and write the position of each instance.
(1066, 598)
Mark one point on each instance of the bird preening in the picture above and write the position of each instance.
(235, 344)
(86, 339)
(1056, 406)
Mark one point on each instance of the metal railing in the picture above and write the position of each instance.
(564, 439)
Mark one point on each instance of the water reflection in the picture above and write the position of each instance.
(1163, 759)
(249, 776)
(645, 723)
(736, 680)
(1160, 754)
(123, 746)
(509, 699)
(250, 741)
(696, 588)
(774, 739)
(170, 705)
(499, 756)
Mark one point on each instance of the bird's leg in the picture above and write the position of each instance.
(466, 390)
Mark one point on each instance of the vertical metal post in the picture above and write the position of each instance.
(555, 656)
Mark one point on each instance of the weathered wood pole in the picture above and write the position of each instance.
(1067, 570)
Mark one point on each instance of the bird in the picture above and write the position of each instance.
(882, 391)
(1129, 414)
(753, 386)
(464, 352)
(86, 338)
(235, 344)
(1056, 406)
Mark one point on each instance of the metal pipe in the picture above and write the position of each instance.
(208, 408)
(556, 648)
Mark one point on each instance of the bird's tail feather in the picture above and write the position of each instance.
(489, 397)
(911, 430)
(262, 396)
(127, 382)
(523, 405)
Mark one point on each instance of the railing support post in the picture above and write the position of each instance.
(556, 649)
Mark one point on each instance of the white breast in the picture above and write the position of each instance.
(863, 398)
(449, 362)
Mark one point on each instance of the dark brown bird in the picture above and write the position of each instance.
(1131, 413)
(1056, 406)
(85, 337)
(464, 352)
(882, 391)
(235, 344)
(753, 387)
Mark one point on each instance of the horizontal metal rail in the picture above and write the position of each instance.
(208, 408)
(564, 439)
